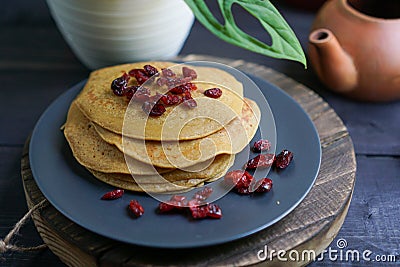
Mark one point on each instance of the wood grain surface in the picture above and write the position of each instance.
(312, 225)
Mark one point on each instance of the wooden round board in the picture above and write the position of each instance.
(311, 226)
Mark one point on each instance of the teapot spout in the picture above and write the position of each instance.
(332, 64)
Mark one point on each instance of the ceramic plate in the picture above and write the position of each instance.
(76, 193)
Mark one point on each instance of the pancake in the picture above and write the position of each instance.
(121, 181)
(175, 181)
(230, 140)
(219, 166)
(93, 152)
(101, 106)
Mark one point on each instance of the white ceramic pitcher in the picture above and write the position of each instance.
(109, 32)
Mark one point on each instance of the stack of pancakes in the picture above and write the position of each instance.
(183, 148)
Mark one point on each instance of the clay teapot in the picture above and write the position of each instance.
(354, 47)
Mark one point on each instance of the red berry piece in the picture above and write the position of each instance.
(214, 211)
(118, 85)
(283, 159)
(177, 90)
(140, 75)
(150, 70)
(263, 186)
(191, 86)
(164, 207)
(153, 109)
(260, 161)
(243, 190)
(130, 91)
(213, 93)
(162, 81)
(199, 212)
(194, 202)
(233, 177)
(157, 110)
(188, 72)
(141, 94)
(183, 88)
(209, 210)
(189, 102)
(114, 194)
(241, 179)
(175, 203)
(172, 82)
(203, 194)
(135, 208)
(170, 99)
(168, 73)
(261, 145)
(178, 199)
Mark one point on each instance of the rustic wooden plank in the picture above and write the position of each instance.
(13, 207)
(313, 224)
(375, 208)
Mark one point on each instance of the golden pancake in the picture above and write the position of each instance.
(93, 152)
(230, 140)
(101, 106)
(122, 181)
(175, 181)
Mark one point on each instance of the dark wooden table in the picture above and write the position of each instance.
(36, 66)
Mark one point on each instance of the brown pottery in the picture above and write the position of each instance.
(354, 47)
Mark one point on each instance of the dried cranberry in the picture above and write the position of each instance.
(175, 203)
(188, 72)
(241, 179)
(170, 100)
(194, 202)
(114, 194)
(263, 186)
(283, 159)
(234, 177)
(135, 208)
(168, 73)
(244, 190)
(178, 199)
(153, 109)
(209, 210)
(150, 70)
(164, 207)
(130, 91)
(119, 84)
(199, 212)
(260, 161)
(203, 194)
(214, 211)
(142, 94)
(162, 81)
(261, 145)
(192, 86)
(172, 82)
(213, 92)
(189, 102)
(180, 89)
(140, 75)
(177, 90)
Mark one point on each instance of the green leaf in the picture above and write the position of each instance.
(285, 44)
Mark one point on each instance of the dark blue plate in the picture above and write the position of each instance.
(76, 193)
